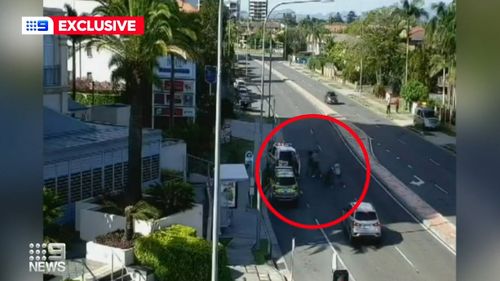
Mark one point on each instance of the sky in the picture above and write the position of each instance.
(359, 6)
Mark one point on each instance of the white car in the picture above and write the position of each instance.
(238, 83)
(425, 118)
(363, 223)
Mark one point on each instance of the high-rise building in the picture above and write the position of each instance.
(234, 8)
(257, 9)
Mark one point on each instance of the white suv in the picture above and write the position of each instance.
(363, 222)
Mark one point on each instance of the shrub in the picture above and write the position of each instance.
(173, 197)
(379, 91)
(177, 254)
(415, 91)
(116, 239)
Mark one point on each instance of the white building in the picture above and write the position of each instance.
(234, 8)
(257, 9)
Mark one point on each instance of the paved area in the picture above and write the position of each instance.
(243, 233)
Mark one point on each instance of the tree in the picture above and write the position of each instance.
(290, 19)
(75, 39)
(351, 17)
(52, 210)
(295, 39)
(412, 12)
(135, 58)
(173, 197)
(337, 18)
(414, 91)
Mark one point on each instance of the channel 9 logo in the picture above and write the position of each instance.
(47, 257)
(37, 25)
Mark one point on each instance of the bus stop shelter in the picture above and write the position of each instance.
(231, 175)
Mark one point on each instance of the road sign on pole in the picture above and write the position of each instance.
(293, 251)
(210, 74)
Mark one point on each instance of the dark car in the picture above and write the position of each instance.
(331, 97)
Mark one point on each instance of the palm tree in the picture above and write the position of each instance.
(135, 58)
(412, 11)
(75, 39)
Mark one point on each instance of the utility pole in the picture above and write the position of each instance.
(361, 66)
(215, 219)
(270, 74)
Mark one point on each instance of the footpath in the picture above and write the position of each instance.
(402, 119)
(242, 231)
(433, 221)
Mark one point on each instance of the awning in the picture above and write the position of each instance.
(233, 172)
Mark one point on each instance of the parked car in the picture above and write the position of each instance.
(331, 97)
(239, 82)
(284, 185)
(425, 118)
(363, 223)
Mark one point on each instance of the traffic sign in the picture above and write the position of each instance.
(210, 74)
(248, 157)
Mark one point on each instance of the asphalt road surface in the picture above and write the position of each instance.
(426, 168)
(408, 252)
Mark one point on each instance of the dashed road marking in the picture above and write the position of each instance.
(406, 258)
(387, 150)
(307, 205)
(410, 166)
(334, 251)
(440, 188)
(419, 181)
(319, 147)
(433, 161)
(401, 141)
(397, 157)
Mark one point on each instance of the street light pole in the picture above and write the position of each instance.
(215, 224)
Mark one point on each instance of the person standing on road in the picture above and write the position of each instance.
(397, 104)
(388, 103)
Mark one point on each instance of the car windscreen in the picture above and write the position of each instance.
(429, 113)
(286, 181)
(286, 156)
(331, 94)
(366, 216)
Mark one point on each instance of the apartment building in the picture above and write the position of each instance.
(257, 9)
(234, 8)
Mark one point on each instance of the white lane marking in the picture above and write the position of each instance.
(429, 230)
(308, 206)
(335, 251)
(406, 258)
(433, 161)
(401, 141)
(319, 147)
(387, 150)
(378, 126)
(397, 157)
(312, 132)
(410, 166)
(378, 144)
(440, 188)
(419, 181)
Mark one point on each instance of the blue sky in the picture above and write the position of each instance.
(358, 6)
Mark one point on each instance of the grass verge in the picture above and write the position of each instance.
(234, 151)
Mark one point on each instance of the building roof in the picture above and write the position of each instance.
(417, 33)
(68, 138)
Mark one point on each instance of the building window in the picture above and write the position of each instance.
(97, 182)
(76, 187)
(86, 184)
(89, 76)
(50, 184)
(146, 169)
(155, 167)
(125, 173)
(108, 178)
(62, 189)
(89, 52)
(118, 176)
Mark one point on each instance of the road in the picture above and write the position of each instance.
(408, 251)
(428, 169)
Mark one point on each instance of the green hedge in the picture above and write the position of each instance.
(177, 254)
(99, 99)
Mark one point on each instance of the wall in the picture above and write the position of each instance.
(57, 101)
(111, 114)
(94, 223)
(98, 64)
(173, 156)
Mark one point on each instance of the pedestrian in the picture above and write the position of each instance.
(397, 105)
(388, 103)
